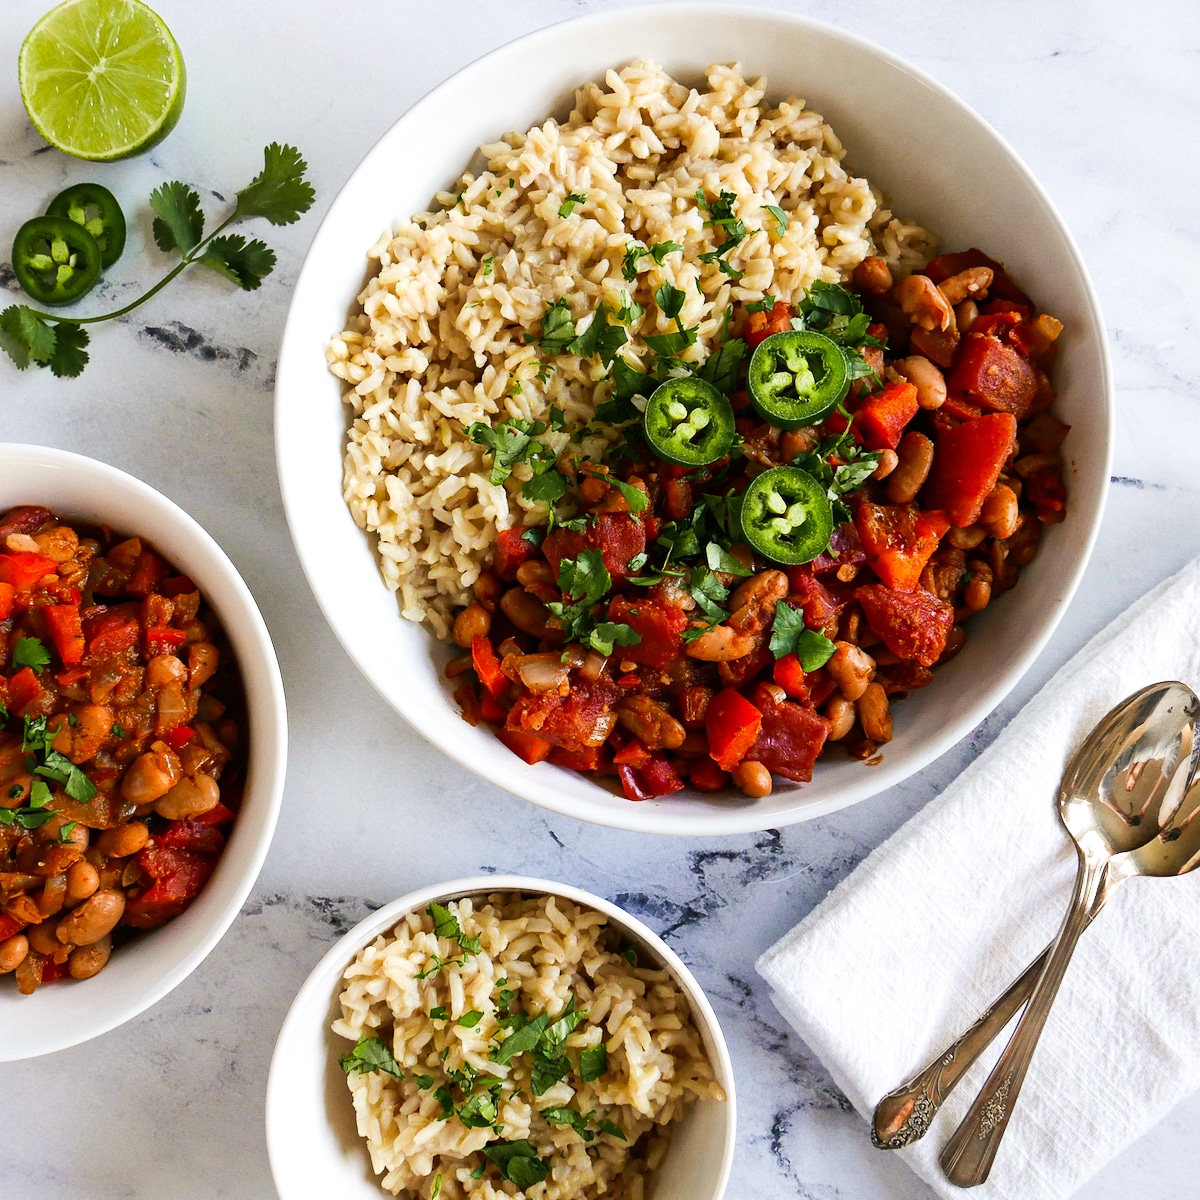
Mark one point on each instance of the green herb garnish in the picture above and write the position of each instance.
(568, 205)
(790, 635)
(518, 1162)
(593, 1062)
(558, 328)
(29, 652)
(722, 217)
(370, 1054)
(601, 338)
(470, 1019)
(781, 218)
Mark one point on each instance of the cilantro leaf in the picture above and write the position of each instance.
(518, 1162)
(521, 1041)
(279, 191)
(370, 1054)
(568, 1116)
(830, 309)
(584, 579)
(29, 652)
(660, 250)
(599, 338)
(634, 496)
(437, 1187)
(634, 253)
(709, 593)
(25, 337)
(790, 635)
(721, 216)
(180, 221)
(568, 205)
(470, 1019)
(593, 1063)
(70, 350)
(547, 488)
(445, 924)
(781, 218)
(245, 263)
(719, 559)
(609, 1128)
(439, 1013)
(558, 328)
(670, 299)
(511, 442)
(478, 1111)
(630, 311)
(722, 366)
(604, 636)
(668, 345)
(767, 303)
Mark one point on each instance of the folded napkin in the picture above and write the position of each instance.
(907, 951)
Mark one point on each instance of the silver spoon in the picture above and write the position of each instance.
(1164, 716)
(1124, 801)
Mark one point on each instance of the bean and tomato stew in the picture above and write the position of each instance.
(719, 604)
(121, 732)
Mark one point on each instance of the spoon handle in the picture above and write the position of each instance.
(969, 1154)
(903, 1116)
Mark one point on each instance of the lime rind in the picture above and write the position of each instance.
(102, 79)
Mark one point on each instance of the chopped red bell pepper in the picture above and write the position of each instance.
(899, 539)
(883, 416)
(656, 778)
(587, 759)
(22, 568)
(177, 585)
(492, 710)
(179, 737)
(630, 784)
(789, 675)
(732, 724)
(466, 696)
(992, 374)
(967, 461)
(7, 593)
(217, 815)
(53, 971)
(706, 776)
(66, 629)
(162, 639)
(633, 754)
(487, 667)
(525, 745)
(911, 624)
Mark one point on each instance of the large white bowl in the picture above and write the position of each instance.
(63, 1014)
(939, 162)
(312, 1141)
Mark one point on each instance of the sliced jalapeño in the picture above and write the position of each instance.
(55, 260)
(796, 377)
(786, 516)
(94, 207)
(688, 422)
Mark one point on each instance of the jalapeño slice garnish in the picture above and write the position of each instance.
(796, 377)
(688, 422)
(786, 516)
(55, 260)
(94, 207)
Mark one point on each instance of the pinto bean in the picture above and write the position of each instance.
(841, 715)
(753, 779)
(926, 377)
(969, 284)
(124, 840)
(954, 643)
(535, 571)
(852, 669)
(152, 774)
(872, 275)
(966, 538)
(886, 465)
(721, 643)
(873, 714)
(82, 880)
(12, 952)
(648, 720)
(91, 729)
(966, 314)
(763, 592)
(916, 458)
(95, 917)
(86, 961)
(924, 304)
(189, 798)
(488, 590)
(978, 592)
(529, 614)
(163, 669)
(1000, 512)
(474, 621)
(42, 939)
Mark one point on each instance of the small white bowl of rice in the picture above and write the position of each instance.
(419, 309)
(495, 1034)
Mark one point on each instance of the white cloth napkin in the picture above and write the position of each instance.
(908, 950)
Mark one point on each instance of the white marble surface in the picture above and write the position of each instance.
(1100, 101)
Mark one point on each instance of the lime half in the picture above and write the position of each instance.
(102, 79)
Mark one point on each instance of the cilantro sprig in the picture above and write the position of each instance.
(280, 194)
(370, 1054)
(841, 465)
(585, 581)
(721, 216)
(791, 635)
(515, 441)
(37, 741)
(29, 652)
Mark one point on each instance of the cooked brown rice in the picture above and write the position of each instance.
(545, 950)
(440, 338)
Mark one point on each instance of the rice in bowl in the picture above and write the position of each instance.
(436, 1001)
(450, 322)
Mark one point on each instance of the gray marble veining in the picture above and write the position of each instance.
(1099, 99)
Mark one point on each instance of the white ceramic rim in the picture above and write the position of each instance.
(326, 975)
(267, 760)
(659, 818)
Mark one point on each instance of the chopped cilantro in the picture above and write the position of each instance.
(439, 1013)
(558, 328)
(29, 652)
(117, 731)
(634, 496)
(670, 299)
(635, 252)
(424, 1082)
(790, 635)
(767, 303)
(547, 488)
(370, 1054)
(781, 218)
(521, 1040)
(601, 337)
(445, 1097)
(630, 955)
(470, 1019)
(489, 265)
(478, 1111)
(609, 1128)
(445, 925)
(511, 442)
(721, 368)
(437, 1187)
(709, 593)
(630, 311)
(568, 205)
(855, 466)
(593, 1062)
(721, 216)
(518, 1162)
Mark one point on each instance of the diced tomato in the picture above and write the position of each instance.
(148, 572)
(761, 324)
(740, 400)
(737, 671)
(938, 345)
(179, 737)
(53, 971)
(487, 667)
(512, 549)
(967, 461)
(525, 745)
(178, 877)
(994, 375)
(583, 717)
(790, 740)
(587, 759)
(899, 539)
(706, 776)
(883, 416)
(789, 675)
(845, 550)
(659, 623)
(911, 624)
(630, 784)
(217, 815)
(492, 710)
(22, 568)
(23, 690)
(191, 835)
(111, 631)
(162, 639)
(732, 724)
(997, 324)
(677, 499)
(822, 604)
(618, 536)
(906, 676)
(9, 926)
(658, 777)
(7, 592)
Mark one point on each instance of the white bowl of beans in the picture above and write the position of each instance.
(143, 744)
